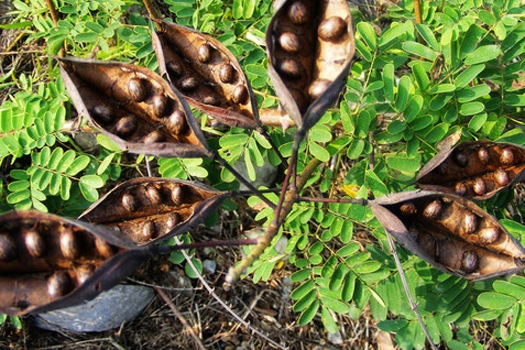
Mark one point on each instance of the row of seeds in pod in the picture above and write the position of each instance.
(462, 159)
(160, 106)
(61, 283)
(134, 202)
(331, 29)
(188, 83)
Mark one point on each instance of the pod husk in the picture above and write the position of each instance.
(477, 170)
(155, 120)
(293, 72)
(178, 45)
(25, 280)
(455, 238)
(153, 219)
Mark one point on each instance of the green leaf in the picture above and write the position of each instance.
(89, 193)
(338, 276)
(308, 314)
(487, 17)
(419, 50)
(413, 108)
(305, 301)
(421, 76)
(302, 290)
(368, 34)
(477, 122)
(396, 126)
(468, 75)
(471, 93)
(388, 81)
(402, 163)
(442, 88)
(487, 315)
(335, 305)
(319, 152)
(471, 108)
(94, 181)
(328, 320)
(189, 271)
(301, 275)
(349, 286)
(403, 91)
(329, 267)
(428, 36)
(483, 54)
(78, 165)
(86, 37)
(496, 301)
(508, 288)
(392, 325)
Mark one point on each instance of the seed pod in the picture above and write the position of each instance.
(172, 221)
(34, 243)
(154, 136)
(7, 247)
(469, 261)
(137, 90)
(153, 194)
(240, 94)
(318, 87)
(501, 177)
(159, 104)
(126, 126)
(103, 113)
(507, 156)
(189, 84)
(332, 29)
(433, 209)
(176, 123)
(488, 235)
(484, 155)
(175, 68)
(408, 208)
(470, 222)
(104, 249)
(226, 73)
(479, 186)
(204, 54)
(461, 189)
(291, 68)
(84, 272)
(176, 195)
(299, 12)
(59, 284)
(68, 244)
(148, 230)
(211, 100)
(129, 202)
(290, 42)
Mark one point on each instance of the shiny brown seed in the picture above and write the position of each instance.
(176, 195)
(34, 243)
(501, 177)
(204, 53)
(211, 100)
(298, 12)
(318, 87)
(290, 67)
(176, 123)
(332, 28)
(126, 126)
(175, 68)
(226, 73)
(103, 113)
(153, 194)
(59, 284)
(470, 222)
(104, 249)
(129, 203)
(507, 156)
(290, 42)
(433, 209)
(408, 208)
(484, 156)
(461, 188)
(461, 159)
(189, 84)
(479, 186)
(154, 136)
(148, 230)
(83, 272)
(469, 261)
(488, 235)
(159, 103)
(172, 221)
(137, 90)
(68, 244)
(7, 247)
(240, 94)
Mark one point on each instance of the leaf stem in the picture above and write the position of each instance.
(360, 201)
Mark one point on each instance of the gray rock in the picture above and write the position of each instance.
(264, 176)
(209, 266)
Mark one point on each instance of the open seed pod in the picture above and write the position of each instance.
(310, 47)
(206, 73)
(134, 107)
(477, 169)
(451, 233)
(149, 210)
(48, 262)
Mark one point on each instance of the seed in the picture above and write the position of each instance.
(136, 89)
(176, 195)
(226, 73)
(154, 136)
(84, 272)
(204, 54)
(148, 230)
(159, 103)
(104, 249)
(240, 94)
(176, 123)
(461, 159)
(172, 220)
(442, 169)
(488, 235)
(290, 68)
(7, 247)
(34, 243)
(189, 84)
(507, 156)
(290, 42)
(469, 261)
(68, 244)
(318, 87)
(211, 100)
(433, 209)
(501, 177)
(470, 222)
(408, 208)
(484, 156)
(461, 189)
(58, 284)
(479, 186)
(129, 203)
(126, 126)
(103, 113)
(332, 28)
(298, 12)
(153, 194)
(175, 68)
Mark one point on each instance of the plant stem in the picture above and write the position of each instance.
(360, 201)
(151, 10)
(417, 11)
(167, 249)
(52, 11)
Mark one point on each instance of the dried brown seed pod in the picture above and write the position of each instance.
(83, 272)
(442, 169)
(159, 103)
(488, 235)
(103, 113)
(501, 177)
(34, 243)
(332, 28)
(126, 126)
(129, 202)
(290, 42)
(7, 247)
(408, 208)
(154, 136)
(148, 230)
(68, 244)
(240, 94)
(484, 155)
(291, 68)
(59, 284)
(204, 54)
(175, 68)
(104, 249)
(299, 12)
(318, 87)
(469, 261)
(226, 73)
(176, 122)
(507, 156)
(137, 89)
(479, 186)
(470, 222)
(189, 84)
(433, 209)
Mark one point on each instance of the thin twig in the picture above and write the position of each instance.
(52, 11)
(417, 11)
(413, 305)
(360, 201)
(151, 10)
